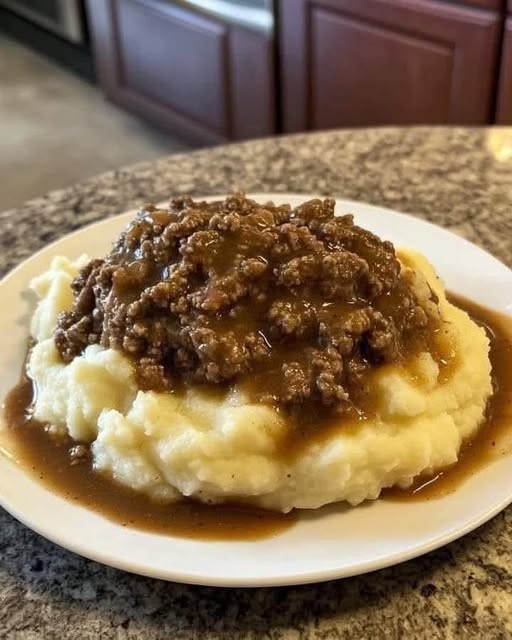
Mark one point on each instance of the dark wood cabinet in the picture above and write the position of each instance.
(504, 92)
(198, 76)
(353, 62)
(337, 63)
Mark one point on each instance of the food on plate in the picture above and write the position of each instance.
(267, 355)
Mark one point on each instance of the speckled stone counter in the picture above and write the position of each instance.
(458, 178)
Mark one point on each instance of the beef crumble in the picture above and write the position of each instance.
(297, 305)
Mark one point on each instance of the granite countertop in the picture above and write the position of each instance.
(458, 178)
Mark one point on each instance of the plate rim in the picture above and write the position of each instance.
(255, 195)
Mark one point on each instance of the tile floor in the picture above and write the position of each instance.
(56, 129)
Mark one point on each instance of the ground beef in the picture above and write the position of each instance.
(295, 305)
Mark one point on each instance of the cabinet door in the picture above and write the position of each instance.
(351, 63)
(504, 98)
(191, 73)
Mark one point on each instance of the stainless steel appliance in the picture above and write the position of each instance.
(255, 14)
(63, 17)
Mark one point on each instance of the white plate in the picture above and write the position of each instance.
(341, 542)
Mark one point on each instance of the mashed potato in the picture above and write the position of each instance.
(194, 444)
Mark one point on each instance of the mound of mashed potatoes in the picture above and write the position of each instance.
(192, 443)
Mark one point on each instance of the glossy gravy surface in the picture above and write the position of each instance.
(494, 437)
(48, 459)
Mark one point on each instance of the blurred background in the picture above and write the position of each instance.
(87, 86)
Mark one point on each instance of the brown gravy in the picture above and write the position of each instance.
(49, 460)
(495, 435)
(295, 305)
